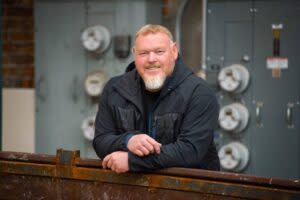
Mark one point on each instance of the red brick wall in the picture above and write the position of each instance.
(18, 43)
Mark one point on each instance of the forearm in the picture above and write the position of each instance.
(178, 154)
(106, 144)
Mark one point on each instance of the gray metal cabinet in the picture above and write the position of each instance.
(60, 67)
(276, 143)
(244, 28)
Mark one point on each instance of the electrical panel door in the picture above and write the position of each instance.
(259, 118)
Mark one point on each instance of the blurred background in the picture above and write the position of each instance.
(58, 54)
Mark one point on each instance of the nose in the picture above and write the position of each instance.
(151, 57)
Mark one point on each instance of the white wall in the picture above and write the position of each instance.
(18, 120)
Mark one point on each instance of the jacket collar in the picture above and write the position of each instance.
(180, 73)
(129, 87)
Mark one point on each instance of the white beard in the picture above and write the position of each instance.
(154, 83)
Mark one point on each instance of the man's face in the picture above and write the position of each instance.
(155, 56)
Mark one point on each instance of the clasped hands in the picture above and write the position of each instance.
(140, 145)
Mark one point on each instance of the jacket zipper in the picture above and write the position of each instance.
(150, 125)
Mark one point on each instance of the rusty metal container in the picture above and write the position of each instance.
(67, 176)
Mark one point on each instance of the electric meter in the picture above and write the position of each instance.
(233, 117)
(234, 79)
(234, 156)
(95, 82)
(87, 128)
(96, 39)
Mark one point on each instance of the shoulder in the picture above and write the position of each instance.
(198, 85)
(202, 93)
(111, 82)
(121, 79)
(203, 97)
(124, 85)
(189, 81)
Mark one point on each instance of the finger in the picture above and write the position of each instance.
(155, 145)
(113, 167)
(104, 162)
(109, 163)
(151, 140)
(144, 150)
(148, 146)
(139, 153)
(157, 148)
(117, 170)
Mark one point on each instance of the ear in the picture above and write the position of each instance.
(133, 51)
(175, 50)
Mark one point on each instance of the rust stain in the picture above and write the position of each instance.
(67, 176)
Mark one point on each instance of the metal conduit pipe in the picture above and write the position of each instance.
(178, 22)
(204, 16)
(178, 28)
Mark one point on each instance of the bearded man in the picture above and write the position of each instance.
(158, 114)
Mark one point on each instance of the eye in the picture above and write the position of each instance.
(160, 52)
(143, 53)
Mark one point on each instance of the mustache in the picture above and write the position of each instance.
(152, 65)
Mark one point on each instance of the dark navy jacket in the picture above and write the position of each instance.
(183, 120)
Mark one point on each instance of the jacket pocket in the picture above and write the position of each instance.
(126, 118)
(167, 127)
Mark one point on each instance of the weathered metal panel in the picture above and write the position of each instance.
(35, 187)
(66, 176)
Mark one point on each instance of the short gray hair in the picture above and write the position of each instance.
(152, 29)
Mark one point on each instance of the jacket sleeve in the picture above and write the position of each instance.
(196, 135)
(107, 138)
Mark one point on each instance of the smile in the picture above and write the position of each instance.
(152, 68)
